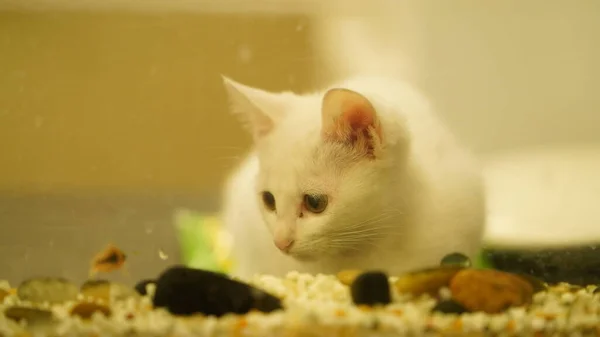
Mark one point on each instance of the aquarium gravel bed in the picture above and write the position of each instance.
(444, 301)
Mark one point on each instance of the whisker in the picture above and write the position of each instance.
(368, 221)
(357, 235)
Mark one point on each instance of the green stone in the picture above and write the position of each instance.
(456, 259)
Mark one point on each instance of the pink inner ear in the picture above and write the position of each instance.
(358, 117)
(357, 126)
(350, 118)
(359, 120)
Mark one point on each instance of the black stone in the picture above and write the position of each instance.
(140, 287)
(537, 284)
(578, 265)
(371, 288)
(186, 291)
(456, 259)
(449, 307)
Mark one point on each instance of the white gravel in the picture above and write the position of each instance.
(319, 305)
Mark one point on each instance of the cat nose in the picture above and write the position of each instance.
(284, 245)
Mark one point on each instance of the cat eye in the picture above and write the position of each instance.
(315, 203)
(269, 200)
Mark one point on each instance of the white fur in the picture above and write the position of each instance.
(419, 200)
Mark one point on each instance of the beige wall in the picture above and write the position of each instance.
(109, 122)
(113, 101)
(504, 74)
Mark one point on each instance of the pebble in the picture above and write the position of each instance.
(456, 259)
(371, 288)
(3, 294)
(47, 289)
(85, 310)
(426, 281)
(312, 310)
(140, 287)
(4, 284)
(348, 276)
(96, 289)
(32, 316)
(567, 298)
(449, 307)
(119, 292)
(186, 291)
(490, 291)
(107, 291)
(93, 284)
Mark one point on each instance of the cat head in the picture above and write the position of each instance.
(324, 164)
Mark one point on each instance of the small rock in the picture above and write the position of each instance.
(3, 294)
(490, 291)
(107, 291)
(456, 259)
(371, 288)
(108, 260)
(140, 287)
(96, 289)
(85, 310)
(564, 287)
(121, 292)
(47, 289)
(426, 281)
(4, 284)
(93, 283)
(449, 307)
(32, 316)
(348, 276)
(187, 291)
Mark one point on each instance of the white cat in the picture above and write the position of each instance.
(360, 175)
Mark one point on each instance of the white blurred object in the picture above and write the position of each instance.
(544, 197)
(381, 38)
(162, 255)
(504, 75)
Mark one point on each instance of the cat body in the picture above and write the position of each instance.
(361, 175)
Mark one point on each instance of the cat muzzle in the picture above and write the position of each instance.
(284, 245)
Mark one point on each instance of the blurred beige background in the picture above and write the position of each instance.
(105, 102)
(111, 120)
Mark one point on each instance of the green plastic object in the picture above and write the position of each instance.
(482, 262)
(203, 243)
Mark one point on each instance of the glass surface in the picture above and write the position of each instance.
(113, 117)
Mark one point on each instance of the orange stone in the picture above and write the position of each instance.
(490, 291)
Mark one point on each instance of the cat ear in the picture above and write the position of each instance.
(257, 109)
(348, 117)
